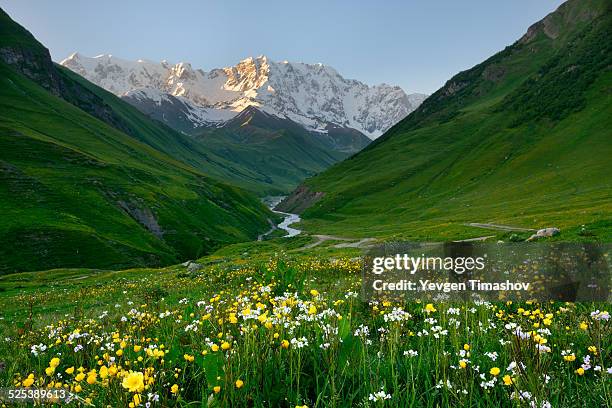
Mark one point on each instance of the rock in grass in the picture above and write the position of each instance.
(545, 232)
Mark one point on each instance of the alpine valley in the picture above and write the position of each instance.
(279, 123)
(93, 178)
(139, 266)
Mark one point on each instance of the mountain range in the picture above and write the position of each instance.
(313, 95)
(521, 139)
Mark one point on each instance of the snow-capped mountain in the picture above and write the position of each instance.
(313, 95)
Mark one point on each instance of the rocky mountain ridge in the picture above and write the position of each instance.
(313, 95)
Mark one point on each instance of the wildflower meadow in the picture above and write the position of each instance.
(285, 330)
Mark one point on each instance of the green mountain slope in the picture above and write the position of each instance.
(86, 180)
(522, 139)
(279, 153)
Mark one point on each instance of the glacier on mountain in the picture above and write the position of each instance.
(314, 95)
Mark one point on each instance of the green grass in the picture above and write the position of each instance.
(522, 139)
(341, 365)
(65, 174)
(278, 153)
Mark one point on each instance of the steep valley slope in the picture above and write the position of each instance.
(523, 139)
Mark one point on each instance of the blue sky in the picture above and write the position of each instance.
(417, 44)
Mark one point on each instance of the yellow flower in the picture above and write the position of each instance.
(430, 308)
(569, 357)
(137, 399)
(78, 388)
(217, 389)
(225, 345)
(580, 371)
(214, 347)
(583, 326)
(91, 378)
(137, 348)
(507, 380)
(119, 352)
(312, 310)
(28, 381)
(54, 362)
(174, 389)
(239, 383)
(462, 363)
(494, 371)
(134, 381)
(593, 349)
(103, 372)
(285, 344)
(79, 377)
(189, 358)
(70, 370)
(466, 347)
(50, 371)
(314, 292)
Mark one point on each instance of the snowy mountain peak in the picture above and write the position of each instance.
(314, 95)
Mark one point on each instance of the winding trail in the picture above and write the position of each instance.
(495, 227)
(498, 227)
(355, 243)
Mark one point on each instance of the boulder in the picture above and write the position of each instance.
(192, 267)
(545, 232)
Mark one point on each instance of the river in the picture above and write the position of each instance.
(289, 218)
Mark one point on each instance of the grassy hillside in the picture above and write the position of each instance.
(208, 155)
(521, 139)
(279, 153)
(92, 183)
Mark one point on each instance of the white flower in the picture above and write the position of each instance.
(597, 315)
(299, 343)
(36, 349)
(453, 311)
(379, 396)
(362, 331)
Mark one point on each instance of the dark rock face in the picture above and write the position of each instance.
(299, 201)
(143, 216)
(35, 64)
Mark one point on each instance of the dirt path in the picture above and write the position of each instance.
(476, 239)
(498, 227)
(365, 242)
(356, 243)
